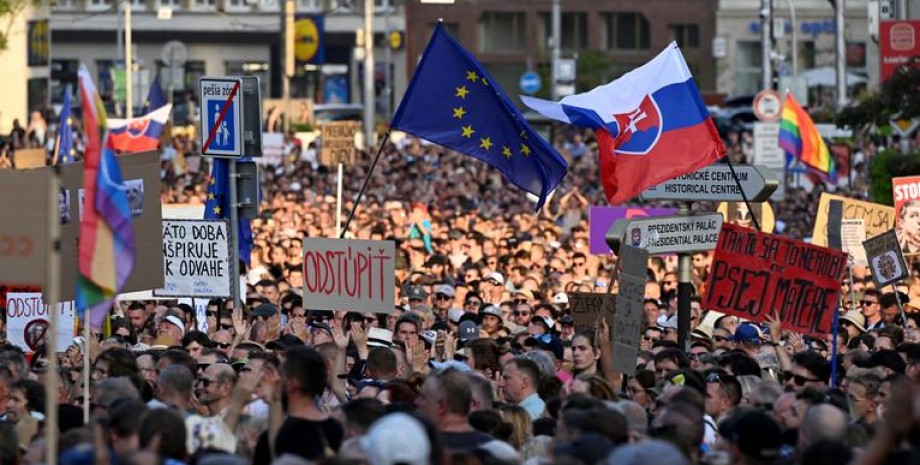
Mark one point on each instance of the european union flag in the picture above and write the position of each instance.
(453, 102)
(155, 98)
(217, 205)
(64, 149)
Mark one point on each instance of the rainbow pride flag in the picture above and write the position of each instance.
(799, 137)
(107, 248)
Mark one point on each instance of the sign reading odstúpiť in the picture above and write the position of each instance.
(346, 274)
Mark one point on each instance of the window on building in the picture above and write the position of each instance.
(174, 4)
(236, 5)
(204, 4)
(748, 67)
(574, 31)
(138, 5)
(98, 4)
(382, 5)
(686, 35)
(64, 4)
(502, 32)
(627, 31)
(309, 5)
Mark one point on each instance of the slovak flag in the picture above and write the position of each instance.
(139, 134)
(651, 125)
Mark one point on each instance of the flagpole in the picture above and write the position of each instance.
(86, 364)
(51, 297)
(743, 194)
(338, 203)
(367, 179)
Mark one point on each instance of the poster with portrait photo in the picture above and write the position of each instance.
(134, 189)
(885, 259)
(906, 192)
(64, 211)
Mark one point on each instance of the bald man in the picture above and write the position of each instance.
(822, 422)
(214, 388)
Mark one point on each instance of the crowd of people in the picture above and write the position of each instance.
(479, 360)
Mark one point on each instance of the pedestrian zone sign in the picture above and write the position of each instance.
(221, 116)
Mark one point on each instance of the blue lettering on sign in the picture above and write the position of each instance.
(809, 28)
(224, 137)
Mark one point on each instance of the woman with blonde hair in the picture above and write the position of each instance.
(522, 432)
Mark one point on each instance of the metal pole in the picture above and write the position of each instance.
(557, 44)
(51, 297)
(234, 239)
(87, 361)
(765, 49)
(684, 290)
(795, 41)
(387, 70)
(901, 309)
(369, 73)
(841, 58)
(338, 203)
(902, 9)
(287, 35)
(129, 64)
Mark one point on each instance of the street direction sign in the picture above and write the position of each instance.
(716, 183)
(668, 234)
(221, 116)
(530, 83)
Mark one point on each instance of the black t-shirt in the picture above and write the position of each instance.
(305, 438)
(467, 441)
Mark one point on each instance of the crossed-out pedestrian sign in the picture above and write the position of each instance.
(221, 117)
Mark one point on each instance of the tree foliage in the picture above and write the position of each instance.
(897, 98)
(9, 10)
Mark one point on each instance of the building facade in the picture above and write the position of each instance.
(607, 37)
(738, 41)
(25, 67)
(218, 38)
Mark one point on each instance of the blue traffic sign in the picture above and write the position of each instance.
(221, 117)
(224, 135)
(530, 82)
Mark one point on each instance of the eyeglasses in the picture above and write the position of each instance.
(207, 382)
(866, 303)
(222, 345)
(720, 338)
(799, 380)
(443, 297)
(226, 327)
(578, 263)
(519, 301)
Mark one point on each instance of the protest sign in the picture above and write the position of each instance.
(877, 218)
(627, 325)
(272, 149)
(755, 275)
(196, 258)
(601, 218)
(907, 213)
(346, 274)
(144, 170)
(589, 307)
(852, 236)
(29, 158)
(27, 321)
(885, 259)
(24, 244)
(339, 142)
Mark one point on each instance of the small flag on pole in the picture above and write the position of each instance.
(63, 149)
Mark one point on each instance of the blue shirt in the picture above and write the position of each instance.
(534, 406)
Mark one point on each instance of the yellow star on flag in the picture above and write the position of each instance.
(461, 92)
(525, 150)
(523, 134)
(485, 143)
(217, 210)
(485, 82)
(468, 131)
(211, 182)
(506, 151)
(472, 76)
(459, 112)
(211, 196)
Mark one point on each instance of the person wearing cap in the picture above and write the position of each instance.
(398, 439)
(172, 328)
(853, 322)
(541, 325)
(443, 300)
(493, 288)
(747, 338)
(668, 325)
(752, 438)
(491, 320)
(567, 328)
(417, 295)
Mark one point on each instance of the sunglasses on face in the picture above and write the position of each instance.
(866, 303)
(799, 380)
(720, 338)
(443, 297)
(519, 301)
(226, 327)
(222, 345)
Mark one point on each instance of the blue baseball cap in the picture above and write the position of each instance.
(747, 333)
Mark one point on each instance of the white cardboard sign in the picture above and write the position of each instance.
(27, 321)
(196, 259)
